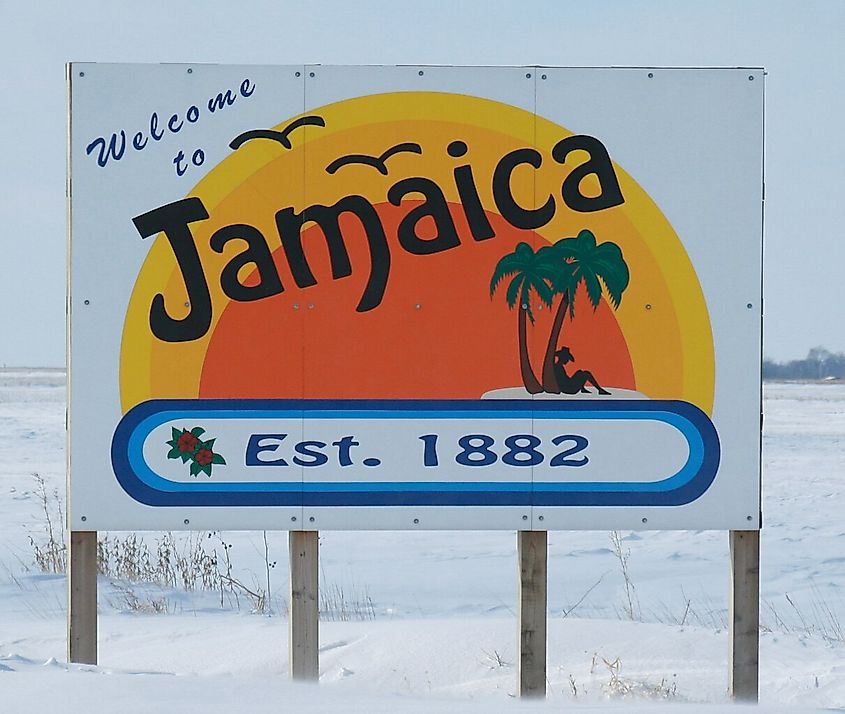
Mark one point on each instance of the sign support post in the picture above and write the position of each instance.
(744, 615)
(82, 597)
(532, 547)
(304, 605)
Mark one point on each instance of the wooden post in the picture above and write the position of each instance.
(533, 556)
(82, 598)
(304, 605)
(744, 615)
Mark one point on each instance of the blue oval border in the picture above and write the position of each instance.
(688, 484)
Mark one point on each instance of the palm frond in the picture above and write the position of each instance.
(513, 290)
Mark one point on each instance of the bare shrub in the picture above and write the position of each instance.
(619, 687)
(632, 605)
(49, 552)
(338, 604)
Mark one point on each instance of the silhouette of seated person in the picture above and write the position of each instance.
(576, 383)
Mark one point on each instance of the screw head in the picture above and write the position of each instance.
(187, 521)
(82, 74)
(310, 74)
(87, 302)
(749, 306)
(416, 520)
(528, 75)
(645, 520)
(421, 73)
(525, 518)
(651, 75)
(648, 306)
(543, 76)
(299, 74)
(85, 518)
(293, 518)
(190, 71)
(311, 519)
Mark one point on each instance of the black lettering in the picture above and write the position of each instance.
(257, 253)
(479, 226)
(173, 220)
(289, 224)
(598, 164)
(511, 211)
(434, 207)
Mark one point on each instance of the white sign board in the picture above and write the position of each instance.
(415, 297)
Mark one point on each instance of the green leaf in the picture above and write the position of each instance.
(198, 431)
(218, 460)
(187, 456)
(544, 292)
(206, 469)
(174, 453)
(175, 433)
(513, 290)
(593, 288)
(195, 468)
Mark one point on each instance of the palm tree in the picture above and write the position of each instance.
(531, 272)
(579, 260)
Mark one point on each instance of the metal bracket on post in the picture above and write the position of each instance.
(744, 616)
(532, 547)
(304, 605)
(82, 598)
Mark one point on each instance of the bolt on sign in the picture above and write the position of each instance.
(415, 297)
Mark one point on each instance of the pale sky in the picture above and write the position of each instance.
(798, 43)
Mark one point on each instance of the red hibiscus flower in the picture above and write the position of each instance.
(187, 442)
(204, 457)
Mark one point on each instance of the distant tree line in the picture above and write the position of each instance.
(818, 364)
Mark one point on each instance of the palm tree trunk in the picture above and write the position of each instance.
(528, 377)
(549, 380)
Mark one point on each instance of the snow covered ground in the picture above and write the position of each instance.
(432, 625)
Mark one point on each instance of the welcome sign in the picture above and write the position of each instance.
(414, 297)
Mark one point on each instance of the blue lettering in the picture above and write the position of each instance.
(174, 124)
(177, 161)
(115, 147)
(103, 157)
(344, 446)
(137, 143)
(310, 449)
(258, 445)
(154, 126)
(246, 90)
(221, 101)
